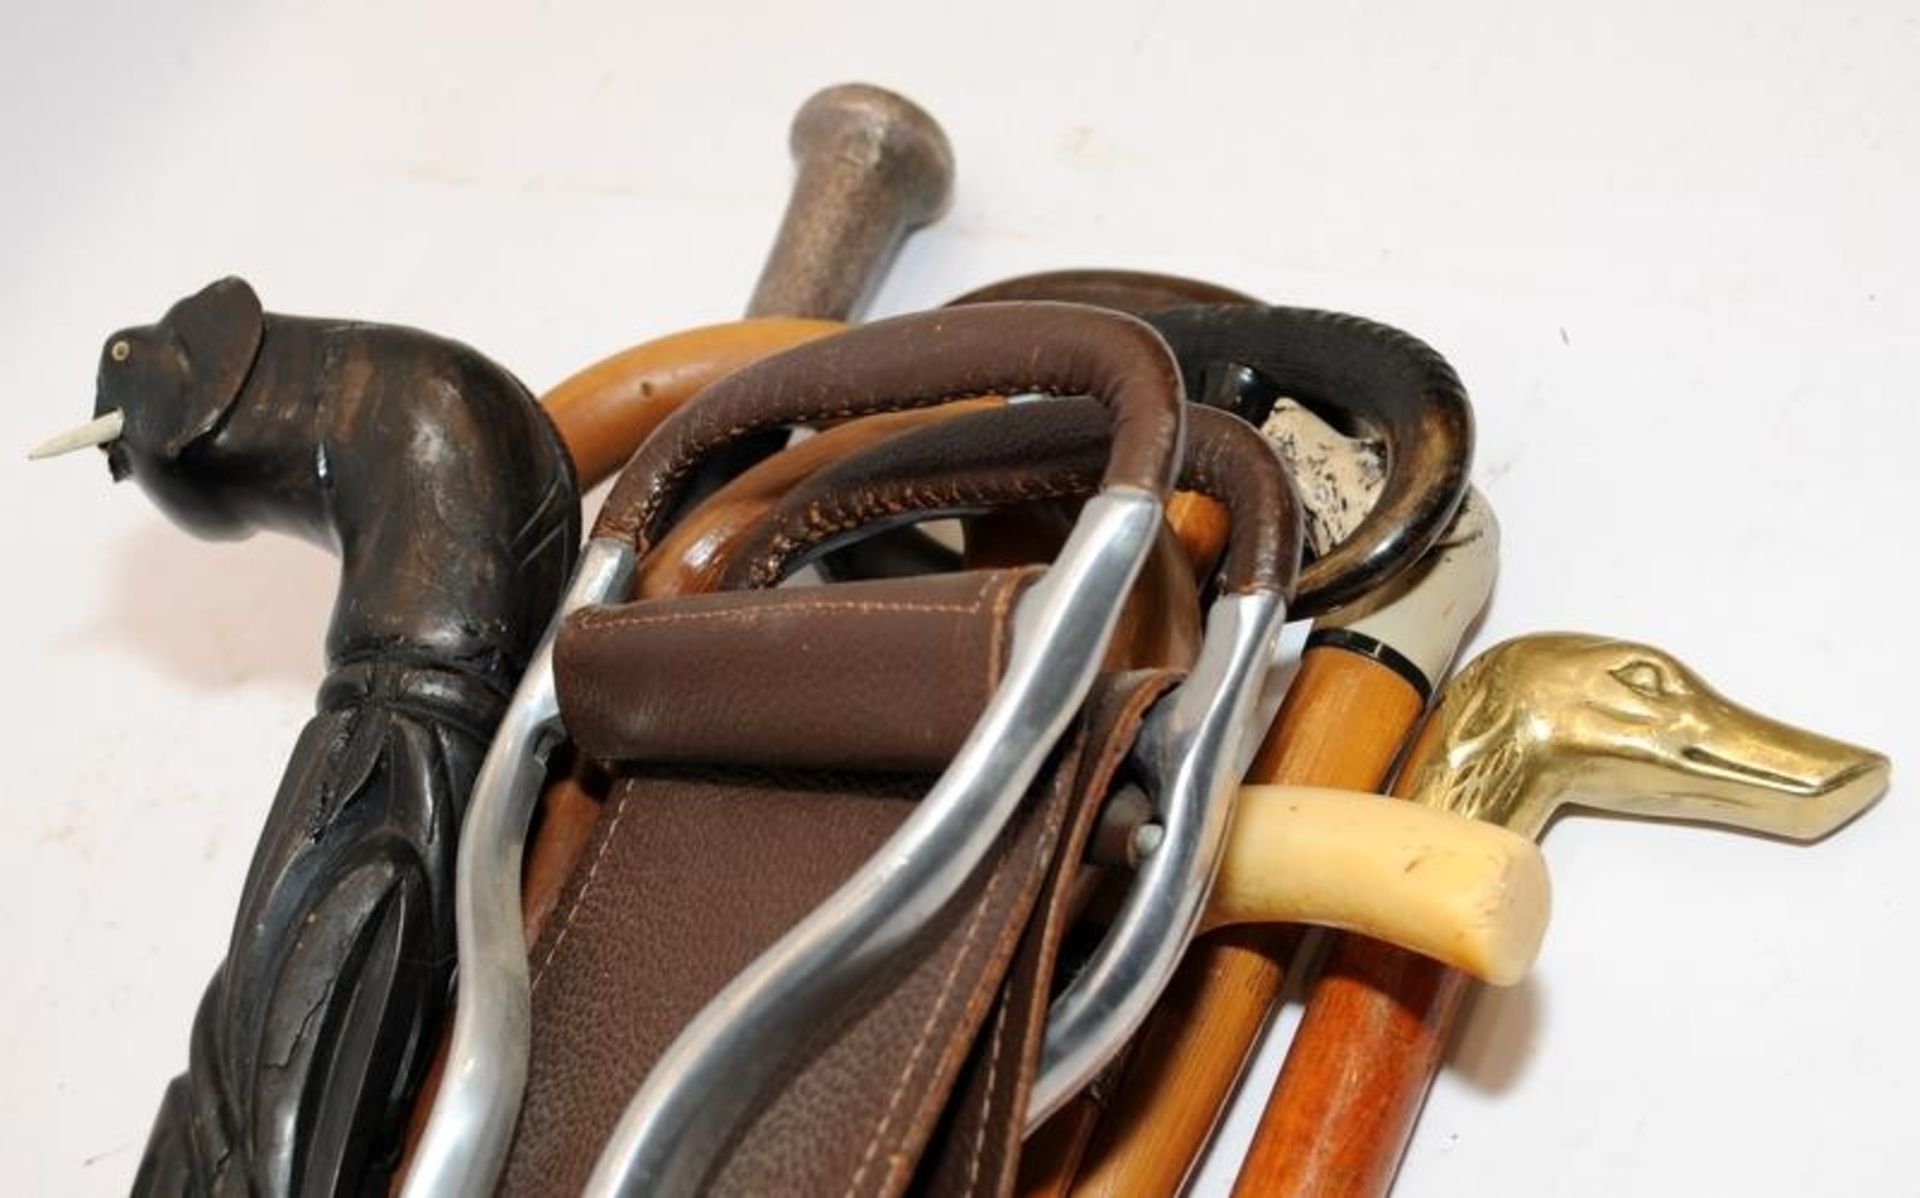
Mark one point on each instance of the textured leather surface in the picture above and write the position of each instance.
(977, 1150)
(694, 872)
(1020, 454)
(857, 1117)
(699, 867)
(918, 361)
(740, 677)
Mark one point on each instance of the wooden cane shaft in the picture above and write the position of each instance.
(1343, 722)
(1356, 1076)
(606, 410)
(1367, 1050)
(1201, 525)
(1051, 1157)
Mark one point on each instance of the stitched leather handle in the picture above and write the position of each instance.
(1234, 350)
(1021, 454)
(918, 361)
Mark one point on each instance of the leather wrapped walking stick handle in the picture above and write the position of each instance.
(993, 349)
(1021, 454)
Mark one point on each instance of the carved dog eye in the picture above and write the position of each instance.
(1644, 678)
(120, 351)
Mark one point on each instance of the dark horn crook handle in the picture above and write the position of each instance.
(1362, 375)
(1389, 385)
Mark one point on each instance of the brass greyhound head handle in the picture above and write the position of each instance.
(1534, 724)
(1566, 719)
(872, 167)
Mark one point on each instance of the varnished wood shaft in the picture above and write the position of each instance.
(1358, 1072)
(1201, 525)
(1377, 1022)
(1342, 724)
(606, 410)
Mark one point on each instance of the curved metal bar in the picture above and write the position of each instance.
(471, 1127)
(1189, 756)
(676, 1129)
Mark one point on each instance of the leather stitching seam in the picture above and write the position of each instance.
(911, 1068)
(986, 1112)
(600, 623)
(573, 909)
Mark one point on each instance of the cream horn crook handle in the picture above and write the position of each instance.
(1471, 895)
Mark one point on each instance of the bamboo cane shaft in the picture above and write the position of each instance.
(1342, 724)
(1341, 1114)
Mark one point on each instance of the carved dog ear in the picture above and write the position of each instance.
(218, 332)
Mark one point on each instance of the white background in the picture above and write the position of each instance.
(1670, 247)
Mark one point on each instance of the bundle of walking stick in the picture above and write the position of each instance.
(900, 785)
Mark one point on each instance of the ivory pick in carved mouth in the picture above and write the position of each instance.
(101, 430)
